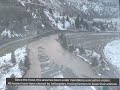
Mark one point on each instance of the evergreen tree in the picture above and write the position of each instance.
(71, 48)
(81, 21)
(11, 87)
(102, 62)
(102, 27)
(67, 19)
(61, 36)
(115, 28)
(103, 65)
(21, 66)
(12, 76)
(111, 22)
(116, 23)
(93, 23)
(82, 50)
(86, 25)
(94, 61)
(65, 42)
(50, 11)
(26, 63)
(105, 22)
(77, 22)
(56, 20)
(63, 22)
(13, 60)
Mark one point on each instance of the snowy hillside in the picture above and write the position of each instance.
(61, 22)
(96, 8)
(8, 68)
(112, 53)
(24, 17)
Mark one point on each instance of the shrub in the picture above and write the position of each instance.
(27, 62)
(13, 60)
(82, 50)
(95, 61)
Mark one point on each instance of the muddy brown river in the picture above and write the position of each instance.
(52, 48)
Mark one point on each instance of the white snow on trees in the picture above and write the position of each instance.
(59, 21)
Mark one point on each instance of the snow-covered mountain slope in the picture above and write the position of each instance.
(21, 18)
(86, 8)
(97, 8)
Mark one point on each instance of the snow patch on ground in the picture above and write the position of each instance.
(5, 61)
(6, 33)
(112, 53)
(22, 2)
(10, 34)
(93, 88)
(34, 15)
(95, 7)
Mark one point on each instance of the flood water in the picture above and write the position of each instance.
(55, 53)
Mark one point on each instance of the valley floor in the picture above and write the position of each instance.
(46, 52)
(59, 56)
